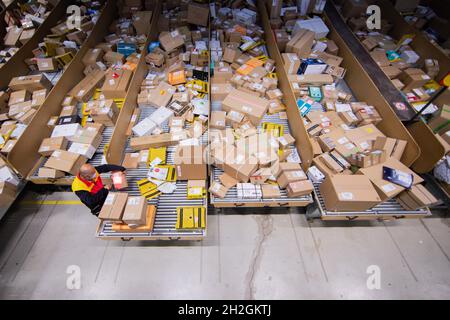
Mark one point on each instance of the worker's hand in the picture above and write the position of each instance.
(108, 187)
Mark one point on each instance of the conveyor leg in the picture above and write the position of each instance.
(126, 239)
(312, 212)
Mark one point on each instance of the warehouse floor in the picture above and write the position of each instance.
(273, 255)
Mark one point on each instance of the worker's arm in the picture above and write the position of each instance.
(108, 168)
(93, 201)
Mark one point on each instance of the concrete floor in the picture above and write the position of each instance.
(255, 256)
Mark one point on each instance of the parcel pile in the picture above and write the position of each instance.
(95, 102)
(59, 47)
(412, 74)
(167, 130)
(21, 24)
(18, 105)
(355, 164)
(249, 137)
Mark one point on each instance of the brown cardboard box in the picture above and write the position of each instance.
(84, 90)
(135, 211)
(131, 160)
(116, 83)
(87, 135)
(217, 120)
(49, 145)
(26, 35)
(413, 78)
(391, 72)
(156, 141)
(287, 177)
(312, 79)
(47, 64)
(270, 191)
(301, 43)
(380, 57)
(348, 193)
(38, 98)
(105, 113)
(114, 206)
(141, 21)
(219, 91)
(416, 198)
(399, 148)
(30, 83)
(222, 74)
(19, 97)
(228, 181)
(12, 36)
(171, 41)
(386, 189)
(50, 173)
(68, 111)
(111, 57)
(299, 188)
(198, 14)
(240, 166)
(190, 163)
(65, 161)
(218, 189)
(280, 167)
(253, 107)
(92, 56)
(386, 144)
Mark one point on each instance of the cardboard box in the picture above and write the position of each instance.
(218, 189)
(156, 141)
(399, 148)
(12, 36)
(7, 193)
(416, 198)
(50, 173)
(348, 193)
(47, 64)
(380, 57)
(386, 144)
(86, 150)
(287, 177)
(171, 40)
(106, 113)
(65, 130)
(301, 43)
(354, 8)
(112, 57)
(93, 56)
(217, 120)
(116, 83)
(135, 211)
(253, 107)
(68, 111)
(198, 14)
(190, 163)
(299, 188)
(219, 91)
(131, 160)
(84, 90)
(413, 78)
(311, 79)
(65, 161)
(6, 174)
(270, 191)
(228, 181)
(30, 83)
(87, 135)
(49, 145)
(385, 189)
(114, 206)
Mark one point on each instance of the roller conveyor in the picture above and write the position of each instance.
(166, 204)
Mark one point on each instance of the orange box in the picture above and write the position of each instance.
(123, 227)
(177, 77)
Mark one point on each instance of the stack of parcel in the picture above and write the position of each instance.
(25, 94)
(256, 162)
(414, 75)
(355, 166)
(21, 24)
(165, 154)
(89, 112)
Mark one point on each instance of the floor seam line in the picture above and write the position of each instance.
(318, 253)
(435, 240)
(298, 248)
